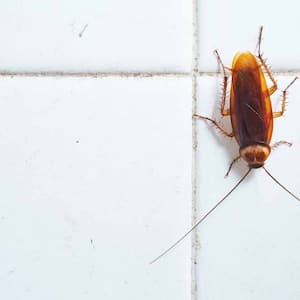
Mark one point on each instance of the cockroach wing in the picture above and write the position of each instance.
(250, 105)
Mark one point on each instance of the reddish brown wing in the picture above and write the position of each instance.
(250, 105)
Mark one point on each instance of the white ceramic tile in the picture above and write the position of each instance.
(118, 35)
(250, 245)
(95, 182)
(233, 25)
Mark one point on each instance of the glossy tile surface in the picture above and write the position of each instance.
(95, 182)
(93, 35)
(232, 26)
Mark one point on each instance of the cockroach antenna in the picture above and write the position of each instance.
(201, 220)
(281, 185)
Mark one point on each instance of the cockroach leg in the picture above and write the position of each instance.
(224, 112)
(277, 144)
(273, 88)
(231, 134)
(259, 39)
(283, 102)
(232, 163)
(220, 62)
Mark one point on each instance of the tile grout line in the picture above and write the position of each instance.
(195, 66)
(96, 74)
(99, 74)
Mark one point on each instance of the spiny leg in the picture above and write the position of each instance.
(231, 165)
(224, 112)
(273, 88)
(283, 102)
(215, 124)
(277, 144)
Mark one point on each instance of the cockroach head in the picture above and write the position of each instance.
(255, 155)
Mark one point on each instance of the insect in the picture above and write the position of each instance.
(251, 117)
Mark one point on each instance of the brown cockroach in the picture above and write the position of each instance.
(251, 116)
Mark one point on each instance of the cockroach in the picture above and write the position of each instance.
(251, 116)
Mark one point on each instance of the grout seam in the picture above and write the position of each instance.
(94, 74)
(193, 74)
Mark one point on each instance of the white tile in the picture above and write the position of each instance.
(250, 245)
(95, 182)
(233, 25)
(120, 35)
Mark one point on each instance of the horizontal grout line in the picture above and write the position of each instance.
(128, 74)
(94, 74)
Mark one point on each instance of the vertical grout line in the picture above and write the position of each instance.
(195, 240)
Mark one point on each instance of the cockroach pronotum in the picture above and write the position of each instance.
(251, 116)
